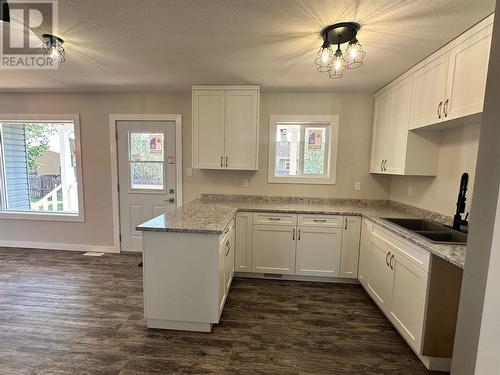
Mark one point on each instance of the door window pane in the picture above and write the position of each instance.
(146, 147)
(314, 150)
(146, 175)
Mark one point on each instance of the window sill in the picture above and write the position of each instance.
(18, 215)
(300, 180)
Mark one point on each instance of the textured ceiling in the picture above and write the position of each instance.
(167, 45)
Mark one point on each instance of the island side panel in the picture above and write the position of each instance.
(180, 275)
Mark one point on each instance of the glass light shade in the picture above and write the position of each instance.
(354, 54)
(338, 65)
(324, 58)
(54, 51)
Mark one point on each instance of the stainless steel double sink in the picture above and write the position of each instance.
(433, 231)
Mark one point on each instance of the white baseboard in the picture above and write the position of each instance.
(59, 246)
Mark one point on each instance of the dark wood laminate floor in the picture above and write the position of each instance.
(64, 313)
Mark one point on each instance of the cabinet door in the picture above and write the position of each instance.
(228, 262)
(318, 251)
(364, 253)
(379, 273)
(208, 129)
(407, 309)
(380, 132)
(350, 247)
(222, 277)
(428, 93)
(468, 68)
(241, 129)
(398, 133)
(243, 242)
(273, 249)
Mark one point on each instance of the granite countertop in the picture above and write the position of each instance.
(212, 213)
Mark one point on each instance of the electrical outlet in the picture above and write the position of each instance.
(410, 189)
(357, 186)
(189, 172)
(244, 183)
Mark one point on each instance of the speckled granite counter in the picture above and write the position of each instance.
(212, 213)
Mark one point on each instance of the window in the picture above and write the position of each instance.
(146, 161)
(40, 168)
(303, 149)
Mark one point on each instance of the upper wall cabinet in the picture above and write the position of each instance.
(452, 85)
(225, 127)
(395, 150)
(446, 88)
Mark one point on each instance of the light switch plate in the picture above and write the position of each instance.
(357, 185)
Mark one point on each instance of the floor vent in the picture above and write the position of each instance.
(92, 254)
(272, 276)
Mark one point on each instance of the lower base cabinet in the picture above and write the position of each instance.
(397, 275)
(273, 249)
(318, 251)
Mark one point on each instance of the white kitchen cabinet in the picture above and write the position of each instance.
(225, 127)
(318, 251)
(380, 276)
(395, 150)
(208, 129)
(229, 260)
(467, 71)
(450, 84)
(241, 143)
(364, 252)
(380, 134)
(350, 247)
(243, 242)
(429, 90)
(408, 299)
(273, 248)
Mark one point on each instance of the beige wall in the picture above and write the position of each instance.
(457, 154)
(355, 111)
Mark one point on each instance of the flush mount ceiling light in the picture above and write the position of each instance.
(4, 11)
(52, 47)
(336, 63)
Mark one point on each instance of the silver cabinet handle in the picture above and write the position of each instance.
(299, 235)
(381, 163)
(228, 247)
(293, 235)
(385, 165)
(274, 218)
(227, 161)
(391, 262)
(319, 220)
(440, 106)
(345, 224)
(386, 258)
(445, 109)
(222, 161)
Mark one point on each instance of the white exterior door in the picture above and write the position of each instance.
(146, 168)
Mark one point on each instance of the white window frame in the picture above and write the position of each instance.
(331, 121)
(51, 216)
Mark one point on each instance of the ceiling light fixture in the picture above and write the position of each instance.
(52, 47)
(336, 63)
(4, 11)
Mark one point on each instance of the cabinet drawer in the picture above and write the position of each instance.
(415, 254)
(274, 219)
(333, 221)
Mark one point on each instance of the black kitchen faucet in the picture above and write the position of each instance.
(457, 219)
